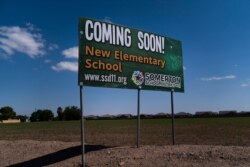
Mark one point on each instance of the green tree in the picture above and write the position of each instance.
(7, 113)
(60, 113)
(72, 113)
(42, 115)
(34, 116)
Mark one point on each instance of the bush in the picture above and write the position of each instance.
(42, 115)
(72, 113)
(22, 117)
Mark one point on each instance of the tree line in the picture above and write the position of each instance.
(7, 112)
(73, 113)
(68, 113)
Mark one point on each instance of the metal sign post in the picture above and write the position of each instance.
(172, 112)
(82, 128)
(138, 118)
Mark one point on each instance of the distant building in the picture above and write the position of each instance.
(125, 116)
(205, 113)
(11, 121)
(227, 112)
(91, 117)
(107, 116)
(162, 115)
(183, 114)
(244, 113)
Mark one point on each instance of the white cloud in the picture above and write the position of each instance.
(47, 61)
(66, 66)
(31, 27)
(24, 40)
(53, 47)
(245, 84)
(219, 78)
(184, 68)
(107, 19)
(71, 52)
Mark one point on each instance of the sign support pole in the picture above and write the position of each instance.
(172, 112)
(138, 118)
(82, 128)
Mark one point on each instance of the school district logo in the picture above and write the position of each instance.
(137, 78)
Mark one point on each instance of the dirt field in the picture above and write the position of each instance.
(58, 153)
(205, 142)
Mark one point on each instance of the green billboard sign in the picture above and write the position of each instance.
(116, 56)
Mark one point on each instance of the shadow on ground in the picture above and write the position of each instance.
(58, 156)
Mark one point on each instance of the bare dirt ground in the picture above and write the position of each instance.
(55, 153)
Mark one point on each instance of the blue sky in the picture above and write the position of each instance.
(38, 54)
